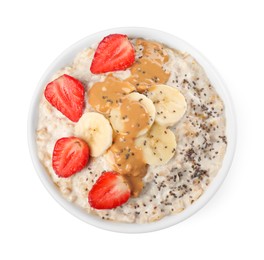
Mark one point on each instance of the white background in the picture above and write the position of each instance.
(228, 33)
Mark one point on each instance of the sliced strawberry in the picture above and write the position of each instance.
(70, 155)
(109, 191)
(114, 52)
(67, 95)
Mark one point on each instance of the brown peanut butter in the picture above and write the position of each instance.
(107, 94)
(147, 70)
(134, 117)
(128, 161)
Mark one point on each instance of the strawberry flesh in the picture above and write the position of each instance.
(67, 95)
(70, 155)
(114, 52)
(109, 191)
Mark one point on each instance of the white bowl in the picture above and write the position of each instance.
(67, 58)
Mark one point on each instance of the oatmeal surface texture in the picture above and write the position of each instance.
(167, 189)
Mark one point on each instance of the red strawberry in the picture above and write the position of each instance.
(67, 95)
(70, 155)
(109, 191)
(114, 52)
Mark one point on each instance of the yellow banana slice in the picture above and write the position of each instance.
(170, 104)
(134, 116)
(158, 145)
(96, 130)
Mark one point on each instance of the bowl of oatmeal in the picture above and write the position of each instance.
(131, 130)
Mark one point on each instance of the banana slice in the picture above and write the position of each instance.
(134, 116)
(96, 130)
(158, 145)
(170, 104)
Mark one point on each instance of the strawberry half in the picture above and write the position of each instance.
(70, 155)
(114, 52)
(109, 191)
(67, 95)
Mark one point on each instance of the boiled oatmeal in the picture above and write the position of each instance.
(153, 122)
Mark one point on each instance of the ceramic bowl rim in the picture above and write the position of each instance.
(174, 42)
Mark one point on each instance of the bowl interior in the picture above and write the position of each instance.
(65, 59)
